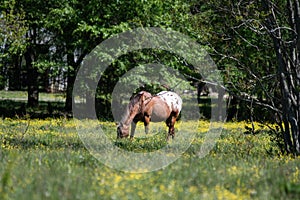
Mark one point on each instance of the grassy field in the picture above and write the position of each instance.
(45, 159)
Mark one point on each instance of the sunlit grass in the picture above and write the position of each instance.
(22, 95)
(45, 159)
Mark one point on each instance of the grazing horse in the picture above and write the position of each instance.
(164, 106)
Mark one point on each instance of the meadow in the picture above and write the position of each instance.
(45, 159)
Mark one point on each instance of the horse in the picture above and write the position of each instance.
(164, 106)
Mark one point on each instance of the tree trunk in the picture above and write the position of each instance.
(32, 79)
(70, 83)
(288, 116)
(287, 48)
(14, 82)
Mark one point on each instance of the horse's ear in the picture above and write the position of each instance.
(142, 99)
(141, 96)
(136, 95)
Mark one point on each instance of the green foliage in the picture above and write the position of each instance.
(238, 44)
(12, 29)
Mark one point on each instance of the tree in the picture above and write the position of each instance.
(256, 44)
(37, 46)
(79, 26)
(283, 25)
(12, 41)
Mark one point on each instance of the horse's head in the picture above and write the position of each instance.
(134, 108)
(122, 130)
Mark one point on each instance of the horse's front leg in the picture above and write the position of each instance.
(146, 123)
(133, 126)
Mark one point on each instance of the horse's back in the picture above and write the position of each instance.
(172, 99)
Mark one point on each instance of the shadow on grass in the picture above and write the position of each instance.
(19, 109)
(56, 109)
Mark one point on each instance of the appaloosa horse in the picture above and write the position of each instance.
(164, 106)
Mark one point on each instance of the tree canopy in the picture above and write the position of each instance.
(255, 45)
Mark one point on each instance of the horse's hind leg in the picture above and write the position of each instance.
(146, 124)
(170, 123)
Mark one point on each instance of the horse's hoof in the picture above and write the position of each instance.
(172, 136)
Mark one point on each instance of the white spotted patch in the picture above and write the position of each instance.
(172, 99)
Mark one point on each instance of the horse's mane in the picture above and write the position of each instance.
(134, 100)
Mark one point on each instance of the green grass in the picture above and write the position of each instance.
(45, 159)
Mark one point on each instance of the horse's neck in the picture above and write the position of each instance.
(128, 117)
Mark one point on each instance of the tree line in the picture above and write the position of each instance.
(255, 45)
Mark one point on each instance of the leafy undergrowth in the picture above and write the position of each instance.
(46, 159)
